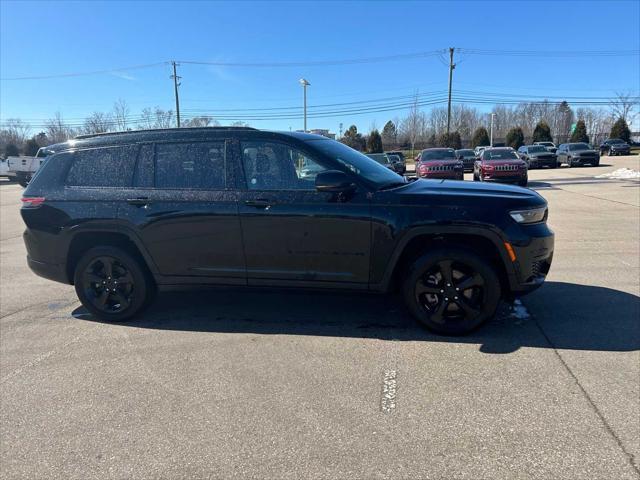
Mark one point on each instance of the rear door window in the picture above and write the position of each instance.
(199, 165)
(103, 167)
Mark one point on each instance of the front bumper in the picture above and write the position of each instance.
(533, 262)
(503, 178)
(447, 175)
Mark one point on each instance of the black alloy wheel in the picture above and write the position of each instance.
(111, 284)
(452, 291)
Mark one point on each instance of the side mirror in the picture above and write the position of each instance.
(333, 181)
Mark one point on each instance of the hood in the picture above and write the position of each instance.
(470, 189)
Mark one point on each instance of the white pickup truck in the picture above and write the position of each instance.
(23, 168)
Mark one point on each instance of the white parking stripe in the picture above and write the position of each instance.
(389, 388)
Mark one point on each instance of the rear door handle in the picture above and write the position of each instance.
(258, 203)
(138, 201)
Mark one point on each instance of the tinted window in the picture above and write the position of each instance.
(443, 154)
(499, 155)
(198, 165)
(578, 146)
(276, 166)
(103, 167)
(356, 162)
(537, 149)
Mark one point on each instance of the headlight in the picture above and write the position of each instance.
(532, 215)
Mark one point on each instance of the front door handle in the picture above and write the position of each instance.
(258, 203)
(138, 201)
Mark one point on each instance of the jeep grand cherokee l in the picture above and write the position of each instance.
(440, 163)
(122, 215)
(577, 154)
(501, 164)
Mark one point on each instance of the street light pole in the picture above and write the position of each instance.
(491, 137)
(305, 84)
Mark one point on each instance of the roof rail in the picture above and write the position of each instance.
(93, 135)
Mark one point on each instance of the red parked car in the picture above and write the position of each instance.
(440, 163)
(501, 164)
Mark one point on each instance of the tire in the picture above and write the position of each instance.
(432, 306)
(554, 165)
(124, 275)
(475, 176)
(523, 183)
(569, 163)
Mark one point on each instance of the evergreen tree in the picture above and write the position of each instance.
(620, 129)
(389, 133)
(452, 140)
(542, 132)
(374, 142)
(515, 138)
(580, 133)
(480, 137)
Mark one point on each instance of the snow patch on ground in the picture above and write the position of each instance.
(621, 173)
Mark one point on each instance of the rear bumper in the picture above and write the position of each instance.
(49, 271)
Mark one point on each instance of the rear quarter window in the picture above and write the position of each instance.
(103, 167)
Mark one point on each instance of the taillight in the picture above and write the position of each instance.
(32, 201)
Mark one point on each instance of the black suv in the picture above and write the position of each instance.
(615, 146)
(122, 215)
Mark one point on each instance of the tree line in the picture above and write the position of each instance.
(513, 126)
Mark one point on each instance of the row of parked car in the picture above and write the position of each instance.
(501, 164)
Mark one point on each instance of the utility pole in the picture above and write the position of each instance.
(305, 84)
(176, 84)
(340, 130)
(451, 67)
(491, 135)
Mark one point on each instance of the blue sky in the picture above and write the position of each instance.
(50, 38)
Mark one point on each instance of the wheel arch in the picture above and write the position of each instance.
(485, 243)
(86, 238)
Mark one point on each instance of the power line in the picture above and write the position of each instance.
(81, 74)
(350, 61)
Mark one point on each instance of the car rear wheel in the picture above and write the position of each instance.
(451, 291)
(112, 284)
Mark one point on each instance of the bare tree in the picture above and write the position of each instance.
(15, 131)
(200, 122)
(57, 131)
(120, 114)
(97, 122)
(413, 126)
(623, 104)
(147, 119)
(164, 118)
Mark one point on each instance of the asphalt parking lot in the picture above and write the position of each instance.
(287, 385)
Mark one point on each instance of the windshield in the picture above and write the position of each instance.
(615, 140)
(505, 154)
(379, 157)
(438, 154)
(546, 144)
(579, 146)
(537, 149)
(358, 163)
(466, 153)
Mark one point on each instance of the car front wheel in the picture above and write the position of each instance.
(112, 284)
(451, 291)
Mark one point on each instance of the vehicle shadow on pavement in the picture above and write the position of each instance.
(567, 316)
